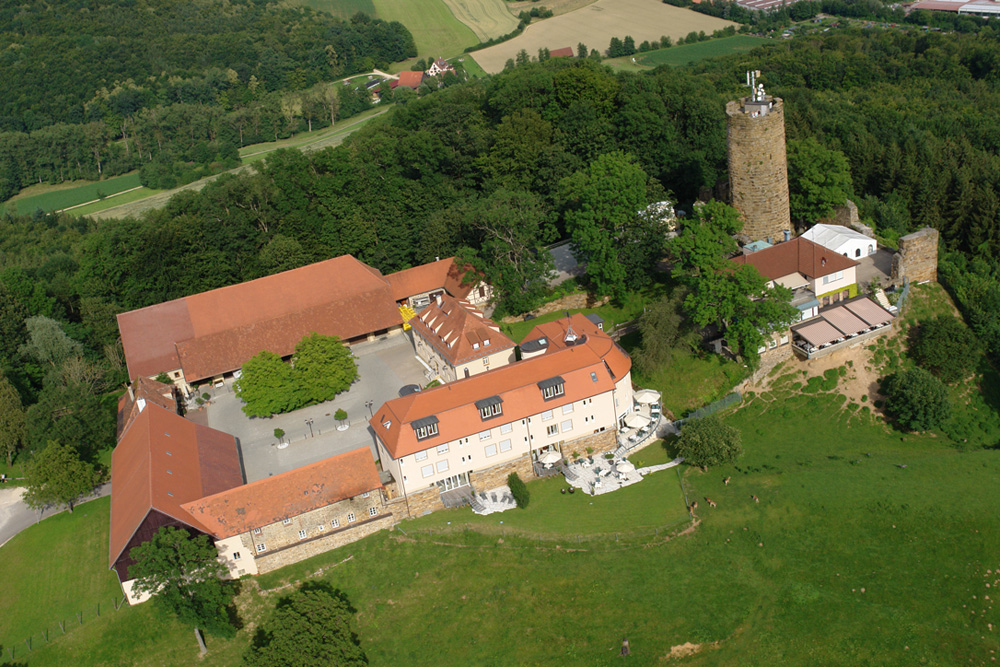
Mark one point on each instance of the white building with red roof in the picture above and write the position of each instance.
(567, 395)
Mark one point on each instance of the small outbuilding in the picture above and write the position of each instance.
(842, 240)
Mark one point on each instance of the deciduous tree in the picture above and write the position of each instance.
(57, 476)
(12, 422)
(709, 442)
(267, 386)
(819, 180)
(917, 399)
(47, 343)
(312, 626)
(322, 367)
(185, 575)
(946, 347)
(659, 329)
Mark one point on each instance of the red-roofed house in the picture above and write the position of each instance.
(275, 521)
(440, 67)
(416, 287)
(564, 52)
(161, 462)
(457, 340)
(408, 80)
(441, 444)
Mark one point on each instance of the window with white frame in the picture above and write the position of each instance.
(568, 408)
(485, 435)
(261, 547)
(566, 426)
(426, 431)
(553, 391)
(427, 471)
(285, 522)
(442, 449)
(547, 415)
(236, 555)
(490, 408)
(365, 494)
(372, 511)
(256, 531)
(351, 518)
(506, 428)
(420, 456)
(784, 339)
(505, 445)
(552, 430)
(491, 450)
(442, 466)
(335, 523)
(302, 534)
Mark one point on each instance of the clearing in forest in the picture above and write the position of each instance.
(344, 9)
(487, 18)
(595, 25)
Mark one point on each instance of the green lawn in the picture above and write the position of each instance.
(345, 9)
(435, 29)
(110, 202)
(656, 502)
(689, 53)
(54, 570)
(64, 198)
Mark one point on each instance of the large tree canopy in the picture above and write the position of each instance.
(185, 575)
(12, 423)
(917, 399)
(312, 626)
(819, 180)
(709, 442)
(946, 347)
(56, 476)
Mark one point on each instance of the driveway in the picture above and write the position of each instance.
(15, 516)
(384, 367)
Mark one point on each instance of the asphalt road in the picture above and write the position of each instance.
(15, 516)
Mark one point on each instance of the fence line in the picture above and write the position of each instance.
(901, 301)
(64, 626)
(727, 401)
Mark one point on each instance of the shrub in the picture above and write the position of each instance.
(917, 399)
(519, 490)
(279, 434)
(708, 442)
(946, 347)
(340, 414)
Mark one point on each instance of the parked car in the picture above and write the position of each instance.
(409, 389)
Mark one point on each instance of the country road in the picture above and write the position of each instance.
(15, 516)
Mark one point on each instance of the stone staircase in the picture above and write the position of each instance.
(882, 299)
(492, 501)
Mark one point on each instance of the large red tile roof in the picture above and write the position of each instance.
(289, 494)
(587, 333)
(161, 462)
(215, 332)
(410, 79)
(444, 273)
(459, 331)
(584, 373)
(798, 255)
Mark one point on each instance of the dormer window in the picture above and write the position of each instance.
(552, 388)
(490, 407)
(426, 427)
(475, 346)
(486, 342)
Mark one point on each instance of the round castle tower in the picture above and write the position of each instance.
(758, 168)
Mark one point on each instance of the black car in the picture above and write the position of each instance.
(409, 389)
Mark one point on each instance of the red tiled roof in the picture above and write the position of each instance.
(410, 79)
(428, 277)
(161, 462)
(516, 384)
(798, 255)
(149, 391)
(289, 494)
(459, 331)
(218, 331)
(565, 52)
(555, 334)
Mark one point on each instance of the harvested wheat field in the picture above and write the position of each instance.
(486, 18)
(596, 24)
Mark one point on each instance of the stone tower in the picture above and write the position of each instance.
(758, 168)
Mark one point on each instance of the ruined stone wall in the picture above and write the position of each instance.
(917, 258)
(294, 553)
(758, 170)
(416, 504)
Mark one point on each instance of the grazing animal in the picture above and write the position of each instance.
(709, 501)
(755, 499)
(726, 481)
(694, 505)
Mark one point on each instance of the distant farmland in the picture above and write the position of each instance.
(487, 18)
(596, 24)
(689, 53)
(345, 9)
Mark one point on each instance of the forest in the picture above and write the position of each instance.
(95, 89)
(494, 169)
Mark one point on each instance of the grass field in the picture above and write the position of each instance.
(57, 198)
(435, 29)
(345, 9)
(486, 18)
(688, 53)
(595, 25)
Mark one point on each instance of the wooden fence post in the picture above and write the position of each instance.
(62, 626)
(79, 617)
(27, 642)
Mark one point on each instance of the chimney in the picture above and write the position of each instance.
(438, 299)
(788, 235)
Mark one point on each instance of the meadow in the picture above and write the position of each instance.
(53, 198)
(344, 9)
(595, 25)
(685, 54)
(435, 29)
(486, 18)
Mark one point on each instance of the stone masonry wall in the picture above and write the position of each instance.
(316, 523)
(416, 504)
(293, 554)
(598, 442)
(758, 170)
(917, 258)
(491, 478)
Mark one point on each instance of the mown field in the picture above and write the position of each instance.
(437, 32)
(53, 198)
(486, 18)
(685, 54)
(345, 9)
(595, 25)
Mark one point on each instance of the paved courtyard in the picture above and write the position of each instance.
(384, 367)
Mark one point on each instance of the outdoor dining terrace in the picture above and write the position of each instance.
(641, 424)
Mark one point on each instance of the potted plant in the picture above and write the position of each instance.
(341, 415)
